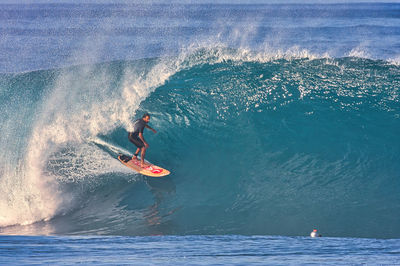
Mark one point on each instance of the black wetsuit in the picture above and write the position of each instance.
(138, 127)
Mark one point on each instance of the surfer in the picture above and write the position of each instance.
(136, 137)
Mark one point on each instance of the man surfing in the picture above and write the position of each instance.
(136, 137)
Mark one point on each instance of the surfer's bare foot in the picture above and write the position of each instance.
(134, 158)
(144, 165)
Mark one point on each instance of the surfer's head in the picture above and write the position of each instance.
(146, 117)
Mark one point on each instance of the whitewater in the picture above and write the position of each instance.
(273, 119)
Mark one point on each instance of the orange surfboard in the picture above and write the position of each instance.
(151, 170)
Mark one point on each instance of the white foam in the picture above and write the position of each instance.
(25, 199)
(395, 60)
(359, 52)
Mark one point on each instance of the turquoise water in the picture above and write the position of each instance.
(273, 119)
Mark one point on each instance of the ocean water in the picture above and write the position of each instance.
(197, 250)
(273, 119)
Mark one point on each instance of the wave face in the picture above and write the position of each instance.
(256, 145)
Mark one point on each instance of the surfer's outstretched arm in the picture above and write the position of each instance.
(152, 129)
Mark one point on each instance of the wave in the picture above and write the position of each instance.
(258, 143)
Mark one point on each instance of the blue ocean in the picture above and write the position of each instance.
(274, 120)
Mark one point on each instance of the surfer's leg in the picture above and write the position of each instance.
(134, 157)
(138, 143)
(142, 155)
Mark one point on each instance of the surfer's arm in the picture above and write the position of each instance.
(152, 129)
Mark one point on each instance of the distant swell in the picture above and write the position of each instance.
(257, 144)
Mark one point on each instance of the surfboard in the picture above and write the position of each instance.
(151, 170)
